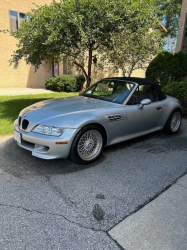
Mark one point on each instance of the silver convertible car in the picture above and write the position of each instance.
(111, 111)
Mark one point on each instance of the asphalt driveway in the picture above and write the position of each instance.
(59, 205)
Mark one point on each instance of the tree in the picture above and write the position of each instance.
(78, 29)
(136, 51)
(168, 11)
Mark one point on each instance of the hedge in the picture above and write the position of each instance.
(66, 83)
(166, 68)
(178, 90)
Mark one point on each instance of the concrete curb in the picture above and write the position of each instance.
(161, 224)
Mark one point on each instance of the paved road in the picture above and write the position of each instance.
(58, 205)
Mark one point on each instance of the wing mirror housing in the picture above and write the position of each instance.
(144, 102)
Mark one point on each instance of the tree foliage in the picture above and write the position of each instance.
(79, 29)
(168, 11)
(136, 50)
(167, 67)
(179, 91)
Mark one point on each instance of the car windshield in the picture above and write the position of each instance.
(110, 90)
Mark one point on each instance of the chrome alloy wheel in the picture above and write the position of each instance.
(175, 121)
(90, 145)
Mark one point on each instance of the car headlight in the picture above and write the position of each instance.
(47, 130)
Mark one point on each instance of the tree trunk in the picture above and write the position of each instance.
(123, 72)
(89, 68)
(131, 70)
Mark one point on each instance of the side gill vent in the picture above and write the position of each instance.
(114, 117)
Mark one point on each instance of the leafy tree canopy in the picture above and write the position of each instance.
(168, 11)
(78, 29)
(136, 50)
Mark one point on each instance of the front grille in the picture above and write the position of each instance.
(19, 121)
(25, 124)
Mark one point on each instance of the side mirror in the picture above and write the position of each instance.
(144, 102)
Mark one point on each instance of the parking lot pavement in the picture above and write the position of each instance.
(59, 205)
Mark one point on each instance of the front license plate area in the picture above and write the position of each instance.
(17, 136)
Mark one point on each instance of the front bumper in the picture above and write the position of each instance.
(45, 147)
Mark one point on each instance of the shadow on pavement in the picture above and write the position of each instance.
(19, 162)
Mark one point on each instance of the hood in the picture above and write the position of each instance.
(57, 107)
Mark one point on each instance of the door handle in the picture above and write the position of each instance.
(158, 108)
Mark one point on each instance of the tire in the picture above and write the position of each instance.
(174, 122)
(87, 145)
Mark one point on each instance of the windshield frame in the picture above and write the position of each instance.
(112, 80)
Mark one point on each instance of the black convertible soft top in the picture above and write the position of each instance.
(142, 81)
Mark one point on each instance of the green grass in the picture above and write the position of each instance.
(10, 107)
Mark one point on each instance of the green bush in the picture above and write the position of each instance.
(67, 83)
(167, 67)
(178, 90)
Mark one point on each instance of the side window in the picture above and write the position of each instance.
(146, 91)
(134, 98)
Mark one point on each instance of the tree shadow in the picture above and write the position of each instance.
(20, 162)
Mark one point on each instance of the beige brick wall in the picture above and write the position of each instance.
(24, 76)
(181, 26)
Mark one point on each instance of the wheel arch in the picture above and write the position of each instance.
(175, 109)
(105, 136)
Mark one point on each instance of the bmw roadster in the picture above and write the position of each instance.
(111, 111)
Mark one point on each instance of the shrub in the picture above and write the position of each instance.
(167, 67)
(178, 90)
(67, 83)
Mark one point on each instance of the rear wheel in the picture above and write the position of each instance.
(174, 122)
(87, 145)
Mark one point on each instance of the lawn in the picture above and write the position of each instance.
(10, 106)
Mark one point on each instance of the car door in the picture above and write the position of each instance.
(141, 120)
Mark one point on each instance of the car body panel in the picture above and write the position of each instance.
(121, 122)
(44, 146)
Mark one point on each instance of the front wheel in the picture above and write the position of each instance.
(174, 122)
(87, 145)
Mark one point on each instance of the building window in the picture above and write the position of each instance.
(55, 68)
(66, 67)
(22, 18)
(13, 20)
(16, 19)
